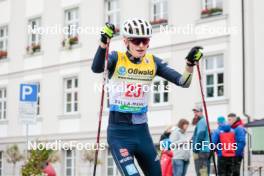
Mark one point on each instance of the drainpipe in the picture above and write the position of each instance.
(244, 79)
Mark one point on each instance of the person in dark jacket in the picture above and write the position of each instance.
(200, 143)
(166, 134)
(224, 138)
(240, 133)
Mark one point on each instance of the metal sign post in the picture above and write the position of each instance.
(28, 106)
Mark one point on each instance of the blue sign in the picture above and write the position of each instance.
(28, 92)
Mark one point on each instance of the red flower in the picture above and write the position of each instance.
(205, 11)
(159, 21)
(3, 54)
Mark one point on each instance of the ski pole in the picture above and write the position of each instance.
(101, 110)
(206, 113)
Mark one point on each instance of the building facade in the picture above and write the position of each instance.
(59, 60)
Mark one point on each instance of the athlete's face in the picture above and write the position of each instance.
(137, 46)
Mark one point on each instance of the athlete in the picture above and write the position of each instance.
(128, 134)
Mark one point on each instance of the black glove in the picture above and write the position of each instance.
(107, 32)
(194, 56)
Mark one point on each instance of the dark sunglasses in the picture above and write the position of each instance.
(137, 41)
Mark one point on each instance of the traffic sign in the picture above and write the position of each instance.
(29, 92)
(28, 102)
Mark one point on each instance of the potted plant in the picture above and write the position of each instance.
(33, 48)
(216, 11)
(210, 12)
(205, 12)
(70, 41)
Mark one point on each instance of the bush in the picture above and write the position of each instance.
(36, 161)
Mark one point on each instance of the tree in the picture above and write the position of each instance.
(88, 156)
(37, 160)
(13, 156)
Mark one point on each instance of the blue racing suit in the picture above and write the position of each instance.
(128, 134)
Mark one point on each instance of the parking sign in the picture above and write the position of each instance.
(28, 102)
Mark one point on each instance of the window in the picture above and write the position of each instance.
(212, 7)
(71, 17)
(1, 163)
(113, 13)
(70, 163)
(160, 91)
(159, 11)
(3, 103)
(34, 37)
(71, 95)
(111, 166)
(3, 41)
(214, 76)
(72, 22)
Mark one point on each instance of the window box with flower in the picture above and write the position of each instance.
(70, 41)
(159, 21)
(33, 48)
(3, 54)
(211, 12)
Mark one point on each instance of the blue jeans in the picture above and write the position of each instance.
(180, 167)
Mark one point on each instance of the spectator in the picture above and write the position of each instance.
(181, 153)
(166, 153)
(201, 151)
(166, 134)
(225, 136)
(48, 170)
(240, 133)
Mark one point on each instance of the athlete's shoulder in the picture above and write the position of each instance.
(113, 54)
(158, 60)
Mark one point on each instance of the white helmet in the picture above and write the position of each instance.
(137, 28)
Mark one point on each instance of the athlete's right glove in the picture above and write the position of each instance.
(194, 56)
(107, 32)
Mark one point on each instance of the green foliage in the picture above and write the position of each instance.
(13, 154)
(89, 157)
(36, 161)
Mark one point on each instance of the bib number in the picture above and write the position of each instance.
(134, 91)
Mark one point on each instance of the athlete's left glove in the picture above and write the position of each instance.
(194, 56)
(107, 32)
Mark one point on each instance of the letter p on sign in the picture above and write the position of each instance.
(28, 92)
